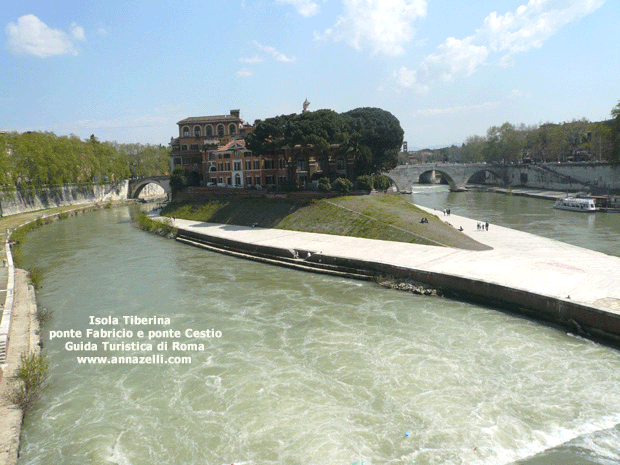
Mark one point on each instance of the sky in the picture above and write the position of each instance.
(128, 71)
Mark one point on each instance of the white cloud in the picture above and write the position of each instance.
(32, 36)
(279, 56)
(305, 8)
(382, 25)
(501, 36)
(252, 61)
(244, 72)
(102, 32)
(77, 32)
(454, 57)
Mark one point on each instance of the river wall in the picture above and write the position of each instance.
(596, 178)
(20, 202)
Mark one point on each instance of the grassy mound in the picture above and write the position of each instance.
(383, 217)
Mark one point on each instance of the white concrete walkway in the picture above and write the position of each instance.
(518, 260)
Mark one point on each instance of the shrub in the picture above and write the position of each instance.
(324, 185)
(342, 185)
(289, 186)
(364, 183)
(29, 381)
(381, 182)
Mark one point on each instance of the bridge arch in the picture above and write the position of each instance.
(482, 171)
(137, 185)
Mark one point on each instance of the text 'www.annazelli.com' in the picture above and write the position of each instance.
(156, 359)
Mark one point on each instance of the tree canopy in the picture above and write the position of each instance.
(36, 159)
(372, 135)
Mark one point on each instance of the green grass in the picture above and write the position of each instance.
(383, 217)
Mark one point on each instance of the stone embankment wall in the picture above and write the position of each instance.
(596, 178)
(20, 202)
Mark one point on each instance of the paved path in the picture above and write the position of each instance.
(518, 260)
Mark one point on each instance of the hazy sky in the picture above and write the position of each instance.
(447, 69)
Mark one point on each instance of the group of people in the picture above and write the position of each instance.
(483, 226)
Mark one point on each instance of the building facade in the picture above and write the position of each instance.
(214, 147)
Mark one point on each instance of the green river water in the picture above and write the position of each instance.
(264, 365)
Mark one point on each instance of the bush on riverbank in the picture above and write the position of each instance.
(163, 228)
(29, 381)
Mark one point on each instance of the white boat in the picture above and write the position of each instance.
(576, 204)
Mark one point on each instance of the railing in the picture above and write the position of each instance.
(5, 323)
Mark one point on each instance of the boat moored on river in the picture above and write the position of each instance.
(576, 204)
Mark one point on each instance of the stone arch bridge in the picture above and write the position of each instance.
(136, 185)
(457, 175)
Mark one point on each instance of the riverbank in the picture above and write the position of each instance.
(24, 338)
(544, 279)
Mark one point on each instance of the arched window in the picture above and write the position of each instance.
(220, 130)
(232, 129)
(197, 131)
(185, 131)
(209, 130)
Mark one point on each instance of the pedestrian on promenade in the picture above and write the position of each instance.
(487, 225)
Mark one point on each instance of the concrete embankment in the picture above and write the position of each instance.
(574, 288)
(23, 339)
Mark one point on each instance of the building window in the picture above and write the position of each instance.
(219, 166)
(281, 163)
(247, 154)
(211, 156)
(268, 164)
(248, 164)
(237, 179)
(269, 180)
(220, 130)
(227, 164)
(184, 147)
(340, 163)
(220, 180)
(228, 181)
(209, 130)
(197, 131)
(257, 180)
(193, 147)
(177, 161)
(232, 129)
(248, 180)
(237, 165)
(301, 164)
(256, 164)
(185, 131)
(227, 155)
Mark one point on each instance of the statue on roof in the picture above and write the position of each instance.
(306, 105)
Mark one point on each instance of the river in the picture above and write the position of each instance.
(273, 366)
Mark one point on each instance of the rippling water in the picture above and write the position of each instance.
(309, 369)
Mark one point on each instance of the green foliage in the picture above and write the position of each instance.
(373, 136)
(29, 381)
(178, 179)
(342, 185)
(324, 185)
(381, 182)
(36, 277)
(40, 159)
(364, 183)
(289, 186)
(164, 227)
(615, 134)
(145, 160)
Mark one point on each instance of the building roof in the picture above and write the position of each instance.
(210, 119)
